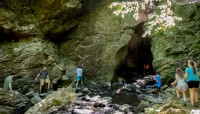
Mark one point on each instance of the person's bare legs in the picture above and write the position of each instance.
(41, 88)
(191, 90)
(49, 84)
(81, 82)
(77, 83)
(184, 94)
(196, 94)
(177, 93)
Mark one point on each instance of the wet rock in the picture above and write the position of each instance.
(13, 102)
(109, 99)
(29, 94)
(108, 84)
(101, 93)
(65, 78)
(154, 100)
(143, 104)
(36, 98)
(94, 83)
(62, 97)
(125, 108)
(86, 98)
(118, 112)
(95, 98)
(82, 111)
(79, 94)
(130, 87)
(85, 90)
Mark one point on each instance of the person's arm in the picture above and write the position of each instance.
(10, 86)
(37, 76)
(175, 81)
(48, 77)
(186, 76)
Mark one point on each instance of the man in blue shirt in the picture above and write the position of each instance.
(79, 75)
(44, 78)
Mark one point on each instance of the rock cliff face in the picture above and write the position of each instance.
(13, 103)
(177, 45)
(95, 42)
(60, 34)
(28, 30)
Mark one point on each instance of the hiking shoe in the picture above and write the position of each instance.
(184, 104)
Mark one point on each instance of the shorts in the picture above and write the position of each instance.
(44, 80)
(181, 87)
(193, 84)
(78, 78)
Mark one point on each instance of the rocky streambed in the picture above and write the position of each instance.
(116, 98)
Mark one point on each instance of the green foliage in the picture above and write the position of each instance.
(161, 19)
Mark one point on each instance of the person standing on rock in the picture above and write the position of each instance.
(79, 75)
(158, 83)
(181, 84)
(44, 78)
(191, 75)
(7, 86)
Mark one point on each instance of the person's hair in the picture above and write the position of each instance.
(191, 62)
(157, 72)
(79, 66)
(180, 73)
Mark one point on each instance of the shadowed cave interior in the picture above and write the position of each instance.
(134, 60)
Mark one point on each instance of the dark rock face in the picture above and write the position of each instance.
(33, 18)
(13, 103)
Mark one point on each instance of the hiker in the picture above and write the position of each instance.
(181, 84)
(158, 83)
(191, 76)
(44, 78)
(147, 68)
(79, 75)
(8, 83)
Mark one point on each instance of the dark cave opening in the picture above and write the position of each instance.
(137, 63)
(134, 60)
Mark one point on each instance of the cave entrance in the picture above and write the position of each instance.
(133, 59)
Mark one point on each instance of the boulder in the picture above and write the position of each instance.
(13, 102)
(58, 99)
(143, 104)
(36, 98)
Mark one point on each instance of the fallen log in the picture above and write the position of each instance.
(155, 89)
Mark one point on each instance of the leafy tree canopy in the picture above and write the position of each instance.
(158, 12)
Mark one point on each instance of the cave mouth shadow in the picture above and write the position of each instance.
(135, 62)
